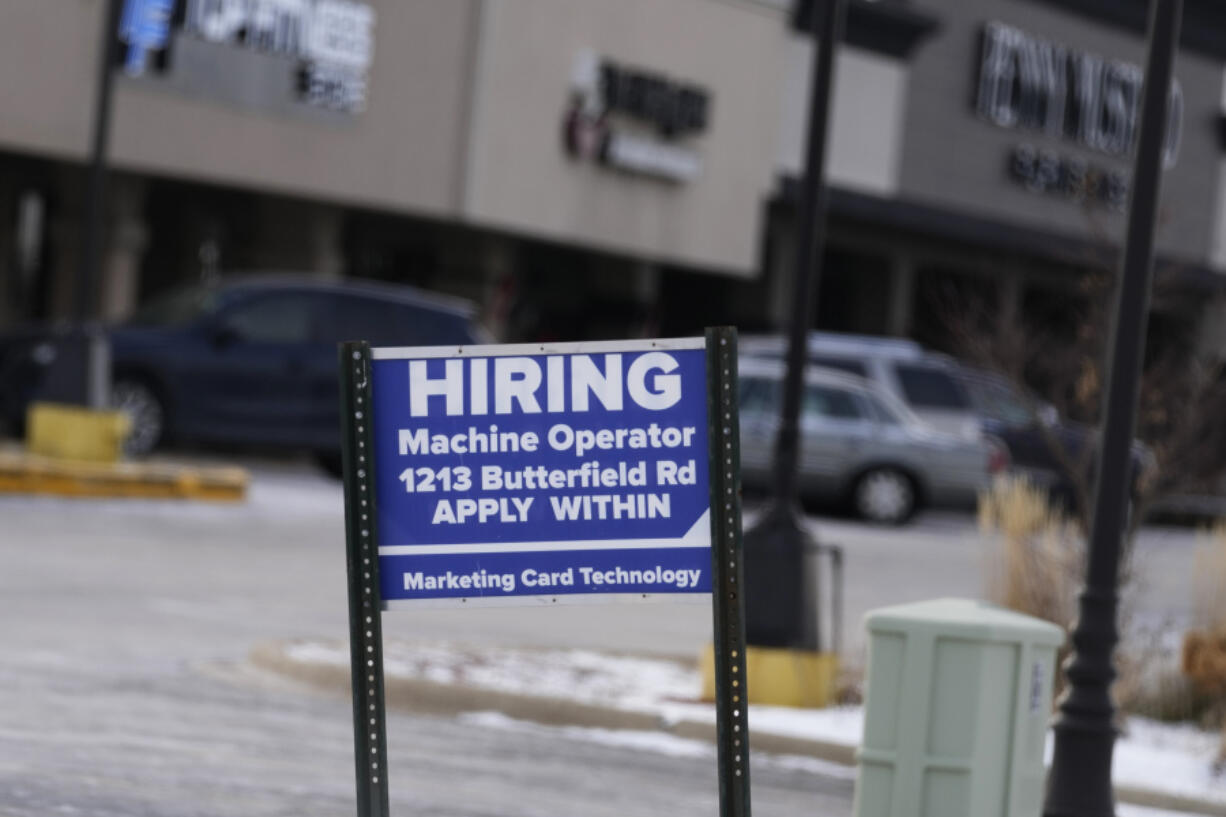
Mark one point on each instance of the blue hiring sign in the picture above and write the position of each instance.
(524, 472)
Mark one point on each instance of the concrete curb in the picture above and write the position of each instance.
(429, 697)
(25, 473)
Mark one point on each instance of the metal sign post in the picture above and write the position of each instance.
(728, 598)
(543, 474)
(362, 563)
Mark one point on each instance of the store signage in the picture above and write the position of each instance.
(333, 40)
(144, 31)
(1030, 83)
(543, 475)
(631, 119)
(1044, 171)
(329, 43)
(511, 472)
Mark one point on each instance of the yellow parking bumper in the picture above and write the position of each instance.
(28, 473)
(75, 433)
(780, 677)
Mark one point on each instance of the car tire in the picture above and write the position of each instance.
(885, 496)
(145, 409)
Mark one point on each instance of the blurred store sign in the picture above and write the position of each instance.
(630, 119)
(1031, 83)
(325, 47)
(144, 30)
(1044, 171)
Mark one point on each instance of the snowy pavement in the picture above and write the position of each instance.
(119, 612)
(1164, 759)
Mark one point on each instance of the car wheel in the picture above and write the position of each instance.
(885, 496)
(145, 411)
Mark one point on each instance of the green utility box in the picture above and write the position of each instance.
(956, 711)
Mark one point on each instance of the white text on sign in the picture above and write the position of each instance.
(518, 383)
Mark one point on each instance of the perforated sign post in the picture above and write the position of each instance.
(543, 474)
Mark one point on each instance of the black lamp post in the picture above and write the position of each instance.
(782, 609)
(83, 374)
(1080, 781)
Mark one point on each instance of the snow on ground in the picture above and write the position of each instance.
(1129, 810)
(1174, 759)
(659, 742)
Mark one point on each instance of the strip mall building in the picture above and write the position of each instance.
(590, 168)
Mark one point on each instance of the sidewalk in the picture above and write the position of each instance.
(1157, 766)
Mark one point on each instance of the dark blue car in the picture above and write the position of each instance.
(250, 362)
(1042, 445)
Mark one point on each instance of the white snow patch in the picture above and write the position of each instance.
(1129, 810)
(660, 743)
(1173, 759)
(657, 742)
(621, 682)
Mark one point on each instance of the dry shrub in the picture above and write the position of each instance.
(1150, 681)
(849, 684)
(1038, 565)
(1208, 598)
(1204, 646)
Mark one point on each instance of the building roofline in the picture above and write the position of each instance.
(887, 27)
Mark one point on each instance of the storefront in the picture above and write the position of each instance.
(553, 159)
(1013, 171)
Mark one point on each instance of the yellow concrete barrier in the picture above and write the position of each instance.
(26, 473)
(780, 677)
(76, 433)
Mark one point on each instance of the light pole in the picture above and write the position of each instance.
(782, 610)
(1080, 781)
(89, 356)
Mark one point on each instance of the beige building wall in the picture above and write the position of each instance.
(868, 103)
(520, 177)
(403, 152)
(463, 117)
(48, 59)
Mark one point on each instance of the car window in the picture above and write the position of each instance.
(280, 318)
(1000, 402)
(759, 396)
(390, 323)
(177, 307)
(832, 403)
(880, 411)
(929, 387)
(351, 317)
(843, 364)
(433, 326)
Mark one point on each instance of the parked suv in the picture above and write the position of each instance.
(925, 382)
(861, 446)
(958, 398)
(250, 361)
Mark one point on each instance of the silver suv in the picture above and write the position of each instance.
(926, 382)
(860, 445)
